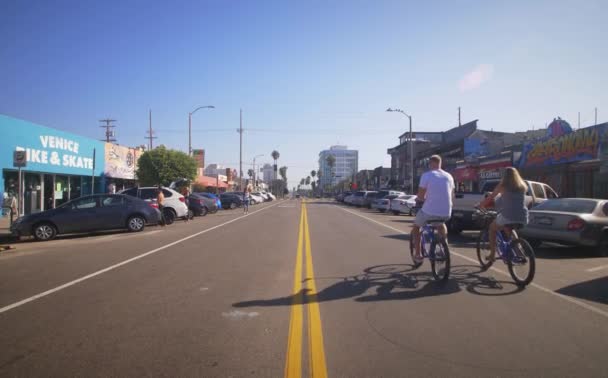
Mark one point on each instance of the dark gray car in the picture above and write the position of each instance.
(86, 214)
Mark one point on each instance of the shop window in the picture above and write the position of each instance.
(75, 187)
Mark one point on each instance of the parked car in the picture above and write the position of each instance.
(569, 221)
(86, 214)
(201, 205)
(263, 195)
(464, 203)
(341, 196)
(348, 199)
(382, 200)
(403, 204)
(174, 206)
(214, 197)
(256, 198)
(383, 204)
(270, 196)
(231, 200)
(368, 198)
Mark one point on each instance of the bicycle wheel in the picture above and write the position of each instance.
(483, 249)
(415, 264)
(440, 259)
(521, 262)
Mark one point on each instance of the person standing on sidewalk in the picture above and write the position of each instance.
(246, 200)
(160, 201)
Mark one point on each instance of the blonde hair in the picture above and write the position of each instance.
(435, 159)
(512, 181)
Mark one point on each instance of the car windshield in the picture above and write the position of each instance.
(568, 205)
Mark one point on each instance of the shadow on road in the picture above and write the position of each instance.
(396, 282)
(595, 290)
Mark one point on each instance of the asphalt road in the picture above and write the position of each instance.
(314, 290)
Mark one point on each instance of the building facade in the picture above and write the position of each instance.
(267, 173)
(346, 165)
(60, 167)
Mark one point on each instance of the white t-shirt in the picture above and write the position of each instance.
(439, 186)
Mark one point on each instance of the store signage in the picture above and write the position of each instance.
(576, 146)
(59, 152)
(19, 159)
(493, 174)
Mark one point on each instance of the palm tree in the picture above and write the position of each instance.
(308, 180)
(331, 162)
(250, 173)
(283, 173)
(313, 173)
(275, 155)
(302, 182)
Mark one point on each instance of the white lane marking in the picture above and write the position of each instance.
(105, 270)
(598, 268)
(123, 235)
(539, 287)
(237, 314)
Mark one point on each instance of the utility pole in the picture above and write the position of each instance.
(150, 136)
(459, 123)
(241, 149)
(596, 115)
(579, 120)
(110, 135)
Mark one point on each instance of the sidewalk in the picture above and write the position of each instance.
(5, 233)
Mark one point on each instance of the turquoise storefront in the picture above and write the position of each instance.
(60, 166)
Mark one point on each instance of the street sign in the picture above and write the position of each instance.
(19, 159)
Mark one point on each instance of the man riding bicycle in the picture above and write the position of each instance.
(436, 190)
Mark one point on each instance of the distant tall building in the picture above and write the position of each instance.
(347, 164)
(268, 173)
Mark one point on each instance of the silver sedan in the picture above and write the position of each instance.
(570, 221)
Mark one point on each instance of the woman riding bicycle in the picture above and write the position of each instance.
(510, 195)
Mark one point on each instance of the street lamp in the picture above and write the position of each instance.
(411, 147)
(190, 125)
(254, 171)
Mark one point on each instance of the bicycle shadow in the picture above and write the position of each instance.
(394, 282)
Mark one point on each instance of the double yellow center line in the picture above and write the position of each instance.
(305, 295)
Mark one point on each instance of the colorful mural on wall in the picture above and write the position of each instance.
(568, 146)
(120, 161)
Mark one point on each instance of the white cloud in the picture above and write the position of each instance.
(475, 78)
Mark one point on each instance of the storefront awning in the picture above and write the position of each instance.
(211, 181)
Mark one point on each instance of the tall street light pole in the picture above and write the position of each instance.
(411, 147)
(254, 171)
(190, 126)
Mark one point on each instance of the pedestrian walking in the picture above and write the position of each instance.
(160, 201)
(246, 200)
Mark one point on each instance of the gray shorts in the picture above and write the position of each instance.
(423, 218)
(502, 221)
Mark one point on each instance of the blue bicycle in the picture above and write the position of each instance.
(433, 247)
(512, 250)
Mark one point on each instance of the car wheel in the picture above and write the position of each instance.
(170, 216)
(44, 231)
(191, 214)
(395, 212)
(204, 211)
(602, 248)
(136, 223)
(232, 206)
(382, 210)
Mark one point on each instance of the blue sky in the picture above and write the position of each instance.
(307, 74)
